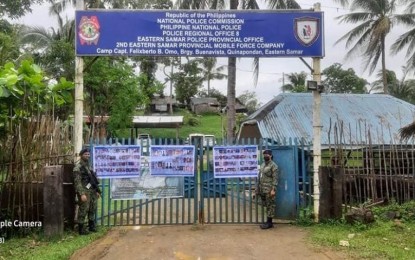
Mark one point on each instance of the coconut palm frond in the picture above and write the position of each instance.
(250, 5)
(342, 2)
(283, 4)
(408, 131)
(405, 39)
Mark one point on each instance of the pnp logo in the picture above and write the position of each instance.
(88, 30)
(307, 30)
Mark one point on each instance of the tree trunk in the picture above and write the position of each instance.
(384, 77)
(208, 87)
(231, 113)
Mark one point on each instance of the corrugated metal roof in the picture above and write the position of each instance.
(291, 114)
(204, 100)
(157, 121)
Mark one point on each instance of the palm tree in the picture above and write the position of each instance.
(407, 40)
(375, 19)
(210, 71)
(53, 48)
(297, 82)
(403, 89)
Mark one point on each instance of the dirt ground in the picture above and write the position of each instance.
(207, 242)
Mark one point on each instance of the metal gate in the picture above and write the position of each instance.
(211, 200)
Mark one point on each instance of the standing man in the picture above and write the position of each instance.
(87, 190)
(267, 186)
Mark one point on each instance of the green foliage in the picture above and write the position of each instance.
(374, 21)
(37, 247)
(305, 217)
(9, 50)
(338, 80)
(16, 8)
(403, 89)
(211, 72)
(25, 92)
(405, 212)
(249, 99)
(209, 124)
(193, 121)
(382, 240)
(52, 48)
(188, 80)
(297, 82)
(112, 88)
(214, 93)
(407, 40)
(239, 119)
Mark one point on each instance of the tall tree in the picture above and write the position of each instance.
(250, 100)
(9, 50)
(338, 80)
(231, 92)
(297, 82)
(52, 48)
(401, 88)
(113, 88)
(16, 8)
(375, 19)
(188, 80)
(407, 40)
(211, 72)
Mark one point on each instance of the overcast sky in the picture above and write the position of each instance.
(272, 69)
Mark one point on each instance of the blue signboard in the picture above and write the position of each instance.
(200, 33)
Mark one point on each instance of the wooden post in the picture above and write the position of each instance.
(69, 207)
(331, 187)
(53, 200)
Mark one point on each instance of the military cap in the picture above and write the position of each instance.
(267, 152)
(83, 151)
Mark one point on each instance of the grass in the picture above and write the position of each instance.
(37, 247)
(381, 240)
(208, 124)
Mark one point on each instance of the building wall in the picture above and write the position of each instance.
(203, 108)
(250, 131)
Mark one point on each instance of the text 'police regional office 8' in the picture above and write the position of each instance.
(201, 34)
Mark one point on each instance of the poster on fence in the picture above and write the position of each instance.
(172, 160)
(121, 161)
(235, 161)
(146, 186)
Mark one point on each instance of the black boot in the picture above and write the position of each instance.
(91, 226)
(267, 224)
(81, 229)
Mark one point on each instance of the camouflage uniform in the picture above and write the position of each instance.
(84, 177)
(268, 180)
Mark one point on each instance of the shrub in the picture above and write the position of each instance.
(193, 121)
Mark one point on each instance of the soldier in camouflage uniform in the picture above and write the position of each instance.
(87, 190)
(267, 187)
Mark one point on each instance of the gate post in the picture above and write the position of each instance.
(53, 200)
(331, 186)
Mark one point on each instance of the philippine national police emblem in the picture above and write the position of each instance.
(89, 30)
(307, 30)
